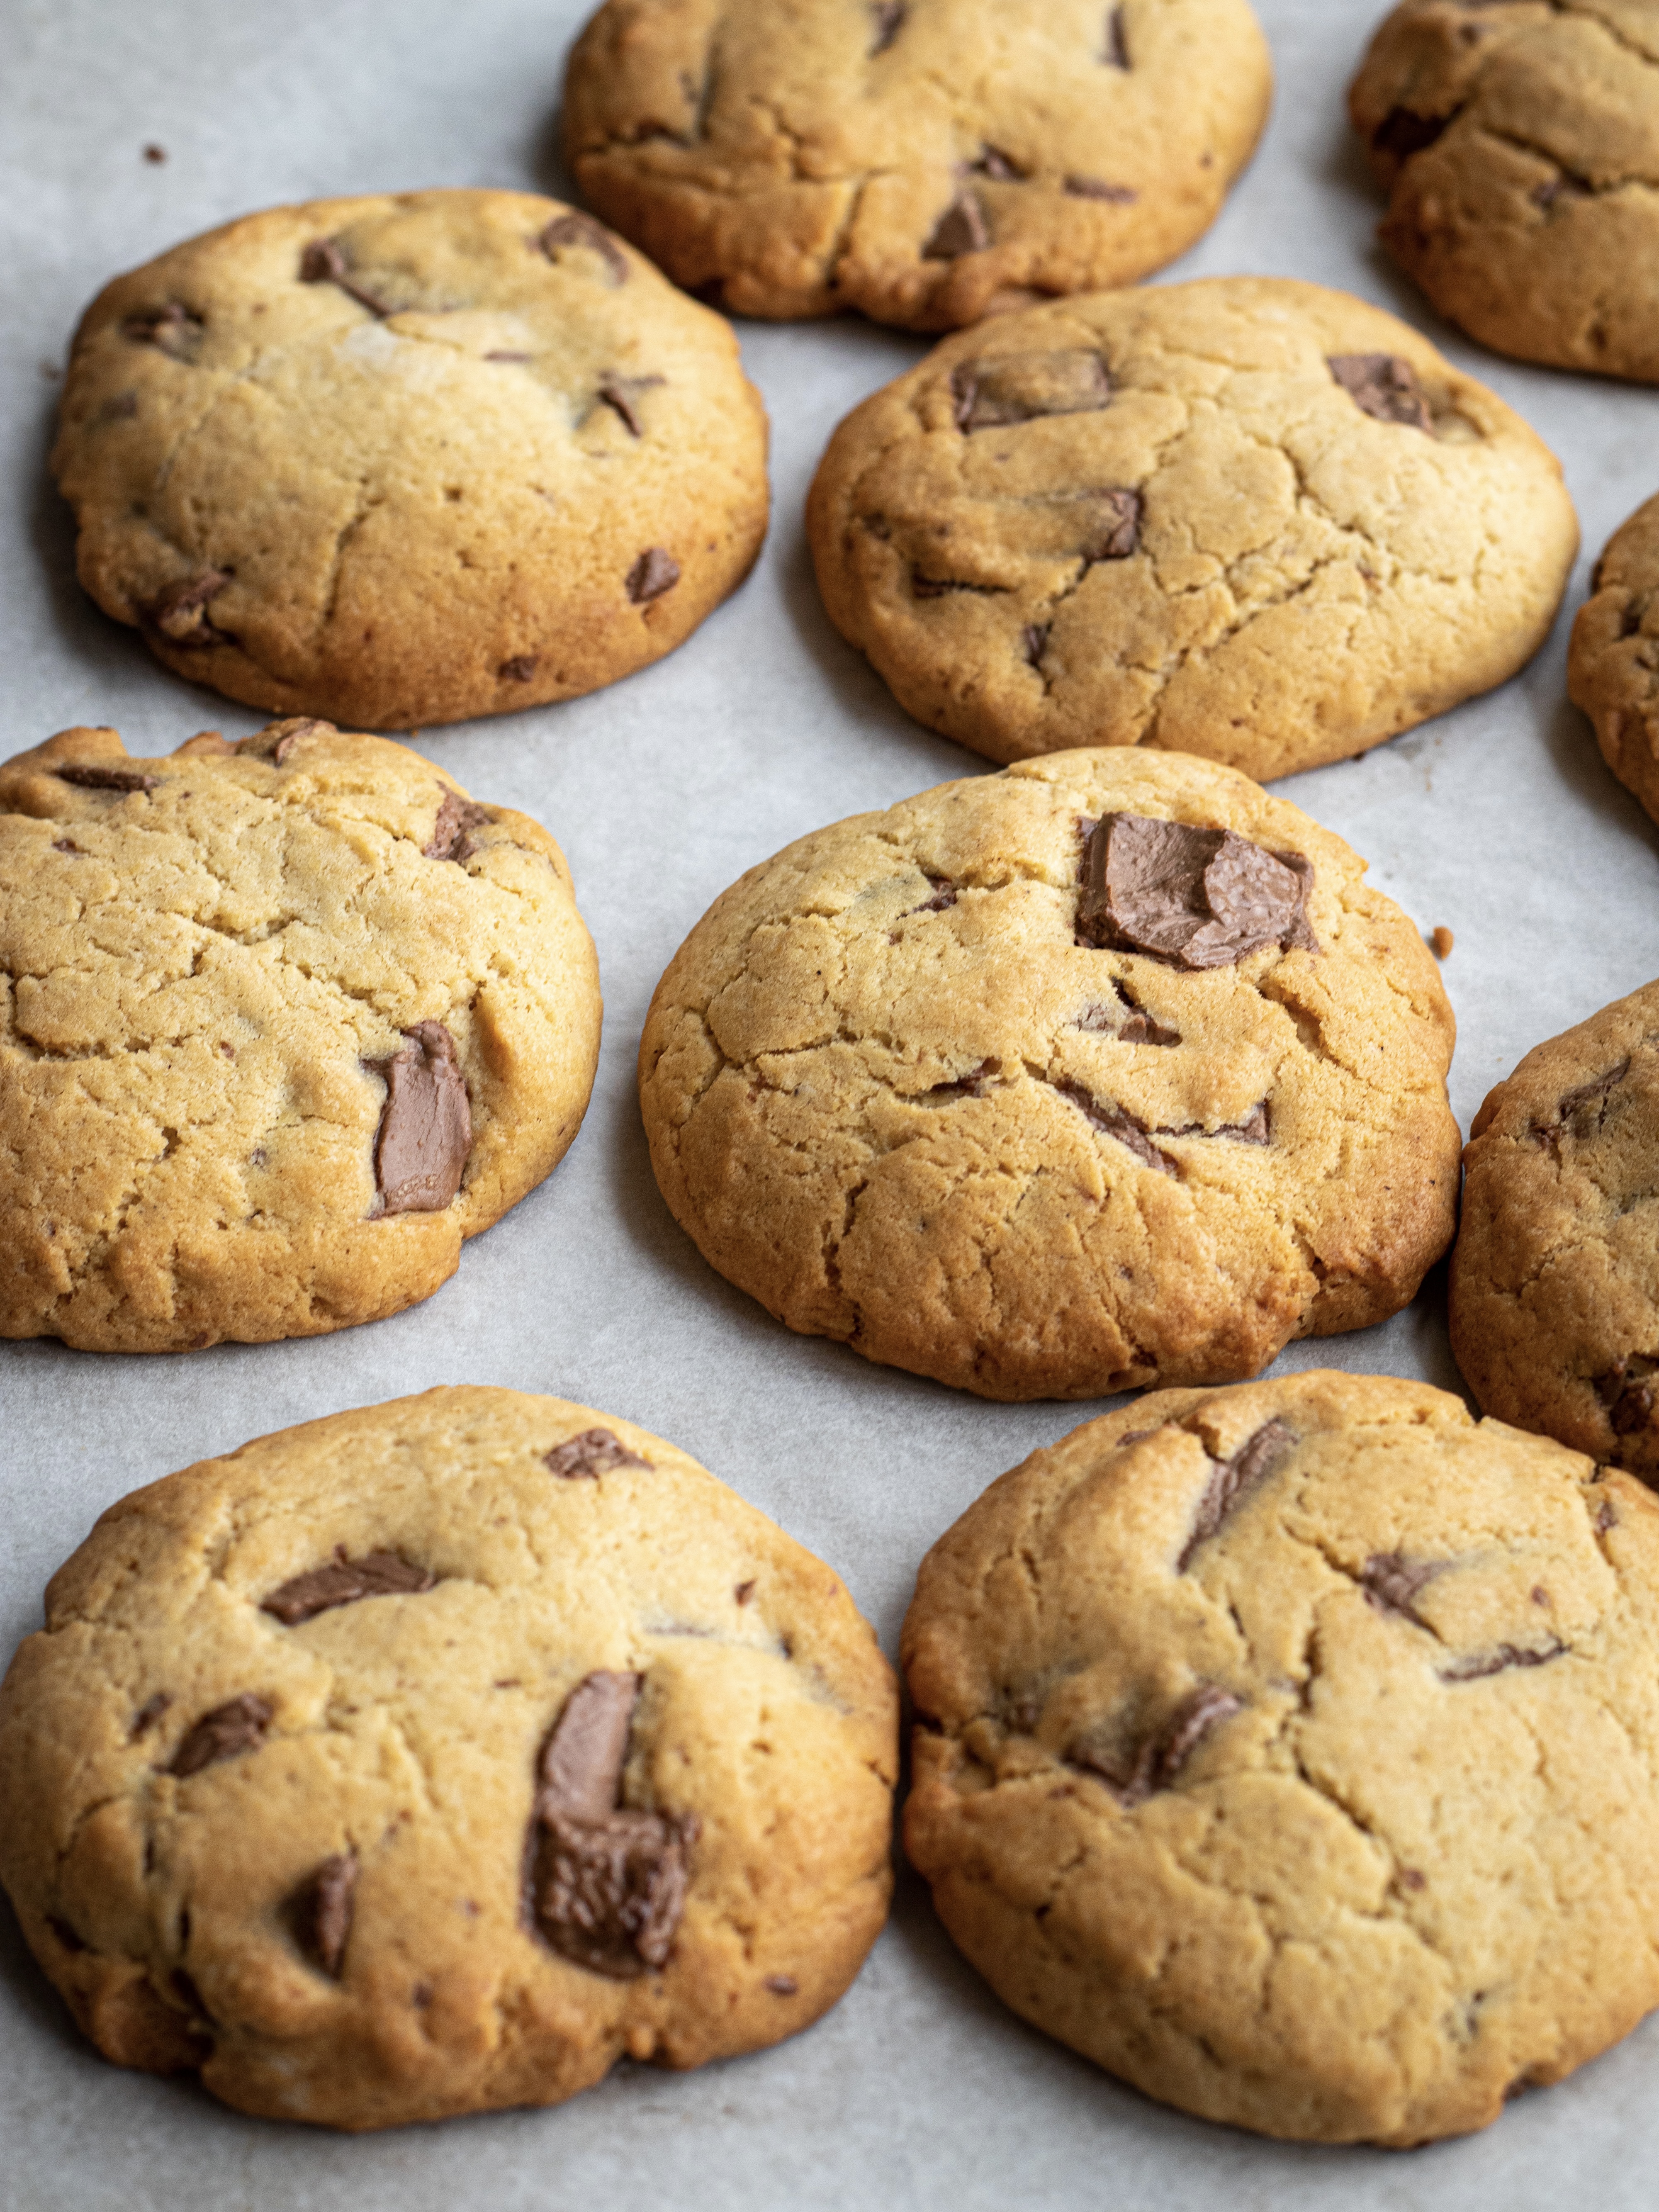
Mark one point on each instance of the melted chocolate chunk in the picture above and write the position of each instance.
(1198, 899)
(276, 742)
(1113, 1121)
(582, 230)
(1580, 1114)
(594, 1452)
(173, 328)
(620, 394)
(99, 778)
(943, 896)
(1391, 1583)
(1162, 1755)
(972, 1085)
(321, 1909)
(889, 16)
(1116, 532)
(655, 572)
(148, 1714)
(229, 1729)
(518, 670)
(1402, 132)
(342, 1582)
(1383, 385)
(180, 612)
(322, 262)
(426, 1124)
(1117, 43)
(1500, 1660)
(456, 817)
(961, 229)
(1138, 1028)
(1231, 1480)
(988, 394)
(1096, 188)
(607, 1884)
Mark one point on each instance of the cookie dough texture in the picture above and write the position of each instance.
(169, 1882)
(928, 161)
(1246, 518)
(405, 461)
(1555, 1278)
(1612, 664)
(891, 1096)
(1325, 1805)
(1519, 143)
(211, 967)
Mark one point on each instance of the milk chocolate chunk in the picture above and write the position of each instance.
(1391, 1583)
(1116, 529)
(594, 1453)
(1021, 387)
(582, 230)
(426, 1124)
(1581, 1113)
(172, 327)
(1096, 188)
(96, 777)
(518, 670)
(342, 1582)
(1117, 42)
(620, 394)
(889, 16)
(1231, 1480)
(457, 817)
(322, 1909)
(961, 229)
(148, 1714)
(322, 262)
(229, 1728)
(783, 1985)
(1163, 1754)
(1126, 1021)
(1114, 1121)
(607, 1883)
(1198, 899)
(655, 572)
(180, 612)
(1500, 1661)
(1383, 385)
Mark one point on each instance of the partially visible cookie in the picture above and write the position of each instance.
(280, 1023)
(928, 161)
(1291, 1750)
(1246, 518)
(1105, 1071)
(1519, 142)
(1555, 1276)
(1613, 663)
(403, 460)
(442, 1789)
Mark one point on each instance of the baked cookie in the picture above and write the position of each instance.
(440, 1789)
(1290, 1751)
(928, 161)
(1555, 1278)
(280, 1023)
(1106, 1072)
(1519, 142)
(1245, 518)
(406, 459)
(1613, 664)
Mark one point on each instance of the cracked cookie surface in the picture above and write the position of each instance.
(404, 460)
(1519, 143)
(1613, 663)
(1334, 1817)
(928, 162)
(281, 1024)
(606, 1769)
(905, 1088)
(1247, 517)
(1554, 1308)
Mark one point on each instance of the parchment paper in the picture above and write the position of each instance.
(1499, 821)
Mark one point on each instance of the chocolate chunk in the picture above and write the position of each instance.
(1383, 385)
(744, 1592)
(783, 1985)
(457, 817)
(1579, 1114)
(66, 1935)
(1633, 1409)
(1255, 1129)
(1139, 1027)
(1117, 42)
(99, 778)
(518, 670)
(972, 1085)
(961, 229)
(1500, 1660)
(321, 1911)
(1391, 1583)
(1198, 899)
(943, 896)
(655, 572)
(148, 1714)
(1001, 167)
(1116, 532)
(426, 1125)
(180, 613)
(1605, 1518)
(322, 262)
(1114, 1121)
(1034, 642)
(620, 394)
(935, 587)
(607, 1884)
(173, 328)
(1018, 387)
(342, 1582)
(1402, 132)
(889, 16)
(1231, 1480)
(1095, 188)
(1162, 1755)
(277, 740)
(229, 1728)
(594, 1452)
(582, 230)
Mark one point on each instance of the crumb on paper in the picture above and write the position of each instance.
(1442, 940)
(155, 153)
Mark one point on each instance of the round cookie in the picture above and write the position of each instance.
(403, 460)
(1554, 1308)
(1290, 1751)
(1613, 663)
(928, 161)
(1245, 518)
(1519, 143)
(280, 1023)
(1108, 1071)
(440, 1791)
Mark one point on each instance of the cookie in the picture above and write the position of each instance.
(1613, 671)
(1245, 518)
(441, 1790)
(1289, 1751)
(1518, 141)
(928, 161)
(404, 460)
(1105, 1071)
(282, 1023)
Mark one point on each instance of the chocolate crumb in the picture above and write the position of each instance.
(961, 229)
(655, 572)
(180, 612)
(1383, 386)
(581, 230)
(227, 1731)
(1605, 1518)
(99, 778)
(426, 1125)
(1117, 43)
(593, 1453)
(1441, 941)
(457, 817)
(322, 1911)
(1198, 899)
(421, 1995)
(1540, 1594)
(783, 1985)
(343, 1581)
(744, 1592)
(1410, 1878)
(990, 392)
(156, 154)
(1231, 1480)
(889, 16)
(518, 670)
(148, 1714)
(1095, 188)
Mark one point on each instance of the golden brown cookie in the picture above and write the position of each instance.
(440, 1789)
(1108, 1071)
(403, 460)
(1290, 1751)
(281, 1024)
(928, 161)
(1613, 664)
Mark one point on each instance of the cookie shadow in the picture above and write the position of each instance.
(88, 633)
(547, 164)
(1570, 741)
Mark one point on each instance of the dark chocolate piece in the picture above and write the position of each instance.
(99, 778)
(1480, 1664)
(426, 1124)
(1117, 43)
(180, 612)
(148, 1714)
(594, 1453)
(1391, 1583)
(173, 328)
(322, 262)
(582, 230)
(889, 16)
(961, 229)
(1162, 1755)
(1096, 188)
(942, 895)
(1383, 385)
(518, 670)
(229, 1729)
(322, 1909)
(1198, 899)
(655, 572)
(1114, 1121)
(342, 1582)
(1402, 132)
(456, 817)
(1255, 1129)
(1231, 1480)
(1018, 387)
(621, 393)
(1116, 531)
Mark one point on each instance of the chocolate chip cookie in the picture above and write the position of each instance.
(440, 1789)
(1105, 1071)
(1613, 664)
(404, 460)
(280, 1023)
(1519, 143)
(928, 161)
(1288, 1750)
(1245, 518)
